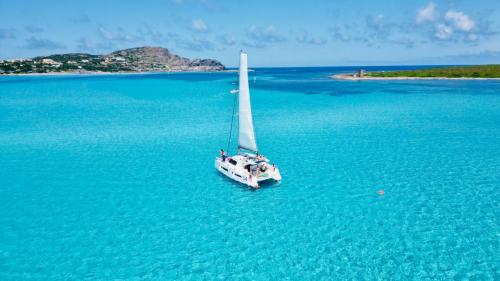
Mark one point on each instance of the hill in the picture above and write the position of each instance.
(142, 59)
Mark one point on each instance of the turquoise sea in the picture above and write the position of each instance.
(111, 177)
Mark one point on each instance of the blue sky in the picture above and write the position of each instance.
(274, 33)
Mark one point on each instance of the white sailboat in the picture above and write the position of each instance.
(247, 166)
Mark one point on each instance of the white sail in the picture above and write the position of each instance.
(246, 136)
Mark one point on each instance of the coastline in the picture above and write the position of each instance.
(356, 78)
(84, 73)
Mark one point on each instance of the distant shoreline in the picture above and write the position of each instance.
(357, 78)
(113, 73)
(469, 72)
(140, 59)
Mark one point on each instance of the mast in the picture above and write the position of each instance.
(246, 135)
(232, 121)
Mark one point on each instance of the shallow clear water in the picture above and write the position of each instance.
(111, 177)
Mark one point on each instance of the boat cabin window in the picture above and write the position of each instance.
(232, 161)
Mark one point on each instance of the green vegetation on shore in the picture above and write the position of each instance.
(142, 59)
(475, 71)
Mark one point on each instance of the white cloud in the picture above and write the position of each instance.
(199, 25)
(377, 22)
(379, 28)
(196, 44)
(105, 33)
(226, 40)
(118, 35)
(348, 33)
(84, 44)
(451, 25)
(443, 31)
(268, 34)
(261, 37)
(304, 38)
(34, 43)
(472, 37)
(427, 13)
(460, 20)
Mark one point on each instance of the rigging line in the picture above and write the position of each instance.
(232, 121)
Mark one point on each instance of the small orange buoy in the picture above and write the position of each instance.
(381, 192)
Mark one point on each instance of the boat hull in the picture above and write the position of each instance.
(234, 168)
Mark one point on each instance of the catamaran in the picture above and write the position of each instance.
(247, 166)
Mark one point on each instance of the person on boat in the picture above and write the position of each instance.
(223, 155)
(253, 169)
(263, 168)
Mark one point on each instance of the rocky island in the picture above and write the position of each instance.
(449, 72)
(142, 59)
